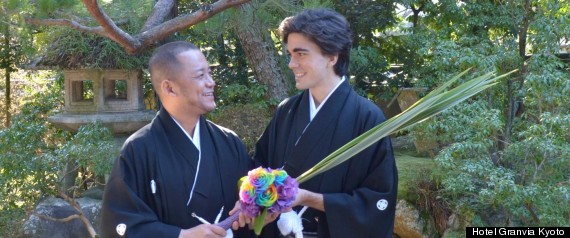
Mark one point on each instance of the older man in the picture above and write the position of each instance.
(178, 164)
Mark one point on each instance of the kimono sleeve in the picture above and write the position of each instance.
(124, 212)
(369, 209)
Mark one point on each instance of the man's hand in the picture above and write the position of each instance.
(242, 219)
(310, 199)
(271, 217)
(203, 231)
(245, 220)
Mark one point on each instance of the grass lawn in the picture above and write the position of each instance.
(410, 166)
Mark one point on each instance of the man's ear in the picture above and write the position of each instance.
(167, 87)
(332, 60)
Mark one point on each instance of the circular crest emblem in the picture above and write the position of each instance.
(382, 204)
(121, 229)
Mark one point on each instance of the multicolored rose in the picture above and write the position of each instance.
(271, 189)
(286, 194)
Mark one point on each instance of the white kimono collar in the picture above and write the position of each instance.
(314, 110)
(196, 141)
(196, 137)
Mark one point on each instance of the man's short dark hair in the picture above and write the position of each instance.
(163, 61)
(326, 28)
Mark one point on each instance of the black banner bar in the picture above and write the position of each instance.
(517, 231)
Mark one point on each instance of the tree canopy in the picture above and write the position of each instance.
(160, 24)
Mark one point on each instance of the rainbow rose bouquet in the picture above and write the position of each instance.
(264, 191)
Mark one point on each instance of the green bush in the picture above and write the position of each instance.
(34, 156)
(87, 157)
(248, 121)
(527, 182)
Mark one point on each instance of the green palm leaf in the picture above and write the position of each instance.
(435, 102)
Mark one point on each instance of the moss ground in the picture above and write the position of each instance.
(410, 166)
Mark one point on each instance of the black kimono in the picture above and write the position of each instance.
(359, 194)
(149, 188)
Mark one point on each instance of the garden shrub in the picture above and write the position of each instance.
(34, 154)
(248, 121)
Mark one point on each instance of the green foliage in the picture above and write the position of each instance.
(469, 121)
(521, 182)
(12, 4)
(43, 100)
(69, 49)
(366, 18)
(26, 171)
(91, 148)
(524, 180)
(11, 222)
(34, 154)
(16, 42)
(64, 47)
(493, 164)
(369, 64)
(411, 168)
(367, 69)
(248, 121)
(542, 152)
(135, 11)
(46, 7)
(547, 85)
(317, 3)
(234, 93)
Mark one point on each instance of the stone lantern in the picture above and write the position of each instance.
(111, 97)
(102, 83)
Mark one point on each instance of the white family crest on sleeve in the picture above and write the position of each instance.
(121, 229)
(382, 204)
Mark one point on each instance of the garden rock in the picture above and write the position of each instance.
(36, 227)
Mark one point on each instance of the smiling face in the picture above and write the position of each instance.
(194, 86)
(312, 69)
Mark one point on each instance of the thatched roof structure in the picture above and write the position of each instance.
(77, 50)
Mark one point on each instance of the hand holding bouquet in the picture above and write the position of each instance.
(265, 191)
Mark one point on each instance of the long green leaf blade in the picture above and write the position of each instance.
(432, 104)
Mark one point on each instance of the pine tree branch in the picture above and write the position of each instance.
(65, 22)
(111, 29)
(154, 29)
(81, 216)
(160, 12)
(161, 31)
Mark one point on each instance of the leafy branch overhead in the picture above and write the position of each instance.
(158, 26)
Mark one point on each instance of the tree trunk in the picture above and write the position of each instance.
(262, 56)
(7, 71)
(416, 15)
(514, 102)
(8, 100)
(69, 175)
(222, 56)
